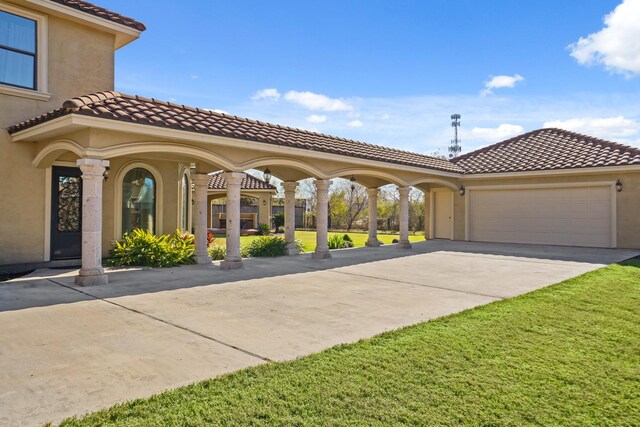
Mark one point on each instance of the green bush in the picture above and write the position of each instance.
(263, 229)
(264, 246)
(337, 241)
(217, 253)
(143, 248)
(278, 220)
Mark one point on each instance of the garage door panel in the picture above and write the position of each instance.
(579, 216)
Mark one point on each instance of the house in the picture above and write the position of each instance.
(252, 188)
(81, 163)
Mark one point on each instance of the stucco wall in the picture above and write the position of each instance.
(80, 61)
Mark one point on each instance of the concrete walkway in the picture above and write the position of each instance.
(66, 350)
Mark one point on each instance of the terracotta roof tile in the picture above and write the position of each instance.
(249, 182)
(101, 12)
(547, 149)
(116, 106)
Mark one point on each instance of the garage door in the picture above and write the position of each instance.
(579, 216)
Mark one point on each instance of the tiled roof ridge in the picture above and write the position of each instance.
(74, 104)
(101, 12)
(580, 136)
(248, 182)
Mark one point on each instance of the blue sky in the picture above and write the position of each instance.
(392, 72)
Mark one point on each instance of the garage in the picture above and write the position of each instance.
(553, 215)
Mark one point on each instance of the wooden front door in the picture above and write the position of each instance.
(66, 213)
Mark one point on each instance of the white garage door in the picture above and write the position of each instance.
(579, 216)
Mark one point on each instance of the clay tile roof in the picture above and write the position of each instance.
(113, 105)
(101, 12)
(547, 149)
(249, 182)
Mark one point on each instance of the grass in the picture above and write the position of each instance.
(568, 354)
(308, 239)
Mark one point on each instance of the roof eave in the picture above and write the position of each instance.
(123, 33)
(74, 121)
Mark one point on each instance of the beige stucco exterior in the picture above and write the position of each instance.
(81, 60)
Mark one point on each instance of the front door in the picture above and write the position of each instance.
(66, 213)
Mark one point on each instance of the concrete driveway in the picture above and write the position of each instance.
(66, 350)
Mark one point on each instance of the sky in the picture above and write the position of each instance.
(393, 72)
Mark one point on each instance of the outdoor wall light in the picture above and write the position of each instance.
(619, 186)
(264, 203)
(462, 190)
(192, 169)
(267, 175)
(106, 173)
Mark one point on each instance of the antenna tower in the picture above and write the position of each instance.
(455, 148)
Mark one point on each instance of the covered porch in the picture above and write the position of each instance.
(138, 160)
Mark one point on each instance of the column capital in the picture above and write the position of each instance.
(404, 191)
(201, 179)
(92, 167)
(322, 184)
(290, 185)
(233, 178)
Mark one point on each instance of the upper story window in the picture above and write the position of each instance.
(23, 53)
(18, 51)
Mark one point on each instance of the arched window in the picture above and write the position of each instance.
(138, 200)
(186, 189)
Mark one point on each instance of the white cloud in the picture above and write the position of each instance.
(316, 118)
(606, 127)
(617, 45)
(270, 94)
(316, 101)
(219, 111)
(503, 131)
(194, 77)
(497, 82)
(355, 124)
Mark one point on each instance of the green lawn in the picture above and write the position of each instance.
(308, 239)
(564, 355)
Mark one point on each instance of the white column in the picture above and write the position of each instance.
(322, 223)
(233, 258)
(201, 184)
(373, 218)
(290, 216)
(404, 218)
(92, 272)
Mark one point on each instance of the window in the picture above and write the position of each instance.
(186, 189)
(138, 200)
(18, 56)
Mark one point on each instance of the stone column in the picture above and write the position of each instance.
(373, 218)
(92, 272)
(322, 223)
(290, 216)
(200, 209)
(233, 258)
(404, 218)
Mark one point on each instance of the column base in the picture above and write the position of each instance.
(321, 255)
(403, 245)
(100, 279)
(372, 243)
(231, 265)
(291, 251)
(203, 259)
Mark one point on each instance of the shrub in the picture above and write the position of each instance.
(337, 241)
(143, 248)
(217, 253)
(278, 220)
(264, 247)
(263, 229)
